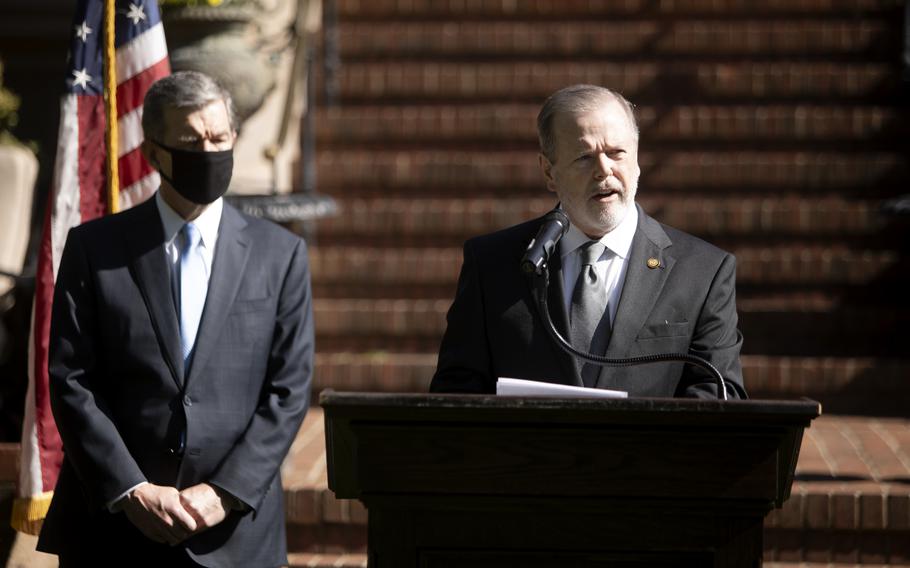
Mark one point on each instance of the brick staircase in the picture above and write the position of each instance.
(774, 133)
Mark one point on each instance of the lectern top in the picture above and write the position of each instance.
(786, 410)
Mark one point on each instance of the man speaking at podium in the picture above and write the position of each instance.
(621, 284)
(181, 353)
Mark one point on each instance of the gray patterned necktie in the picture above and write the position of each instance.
(588, 319)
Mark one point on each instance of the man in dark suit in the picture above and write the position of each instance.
(621, 284)
(181, 354)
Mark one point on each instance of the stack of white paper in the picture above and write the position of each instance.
(519, 387)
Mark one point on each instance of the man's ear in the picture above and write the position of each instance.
(156, 156)
(547, 169)
(149, 152)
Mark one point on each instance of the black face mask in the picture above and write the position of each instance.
(200, 177)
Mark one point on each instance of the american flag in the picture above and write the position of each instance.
(78, 194)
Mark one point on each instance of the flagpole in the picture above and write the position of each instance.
(110, 101)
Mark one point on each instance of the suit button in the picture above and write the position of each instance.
(187, 401)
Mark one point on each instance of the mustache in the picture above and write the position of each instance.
(609, 188)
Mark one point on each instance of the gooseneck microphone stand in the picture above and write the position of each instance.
(541, 278)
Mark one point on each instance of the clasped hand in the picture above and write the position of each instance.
(167, 515)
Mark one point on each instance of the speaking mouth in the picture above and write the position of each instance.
(606, 193)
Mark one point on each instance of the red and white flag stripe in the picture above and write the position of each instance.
(79, 194)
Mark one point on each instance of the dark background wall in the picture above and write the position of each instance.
(34, 40)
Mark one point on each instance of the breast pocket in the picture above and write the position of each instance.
(250, 320)
(258, 305)
(664, 330)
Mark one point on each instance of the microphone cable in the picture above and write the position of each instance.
(542, 284)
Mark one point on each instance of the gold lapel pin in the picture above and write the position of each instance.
(653, 263)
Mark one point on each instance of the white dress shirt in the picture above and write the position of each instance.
(610, 267)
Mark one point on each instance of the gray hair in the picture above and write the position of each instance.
(575, 100)
(185, 90)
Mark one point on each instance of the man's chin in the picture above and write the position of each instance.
(611, 216)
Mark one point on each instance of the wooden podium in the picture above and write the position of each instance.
(483, 482)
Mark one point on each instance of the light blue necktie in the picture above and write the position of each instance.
(193, 287)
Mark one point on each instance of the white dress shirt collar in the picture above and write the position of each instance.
(611, 267)
(207, 223)
(619, 240)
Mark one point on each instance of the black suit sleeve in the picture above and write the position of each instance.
(464, 364)
(91, 440)
(717, 339)
(248, 470)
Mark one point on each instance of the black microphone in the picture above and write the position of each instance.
(554, 226)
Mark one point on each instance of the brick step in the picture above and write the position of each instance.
(767, 564)
(844, 385)
(783, 265)
(515, 124)
(350, 10)
(449, 221)
(795, 325)
(851, 503)
(760, 340)
(590, 39)
(343, 560)
(433, 172)
(642, 81)
(841, 384)
(848, 500)
(374, 371)
(317, 521)
(752, 297)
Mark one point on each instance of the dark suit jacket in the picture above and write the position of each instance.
(688, 304)
(121, 398)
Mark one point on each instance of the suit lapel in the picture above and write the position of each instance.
(231, 254)
(152, 275)
(642, 286)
